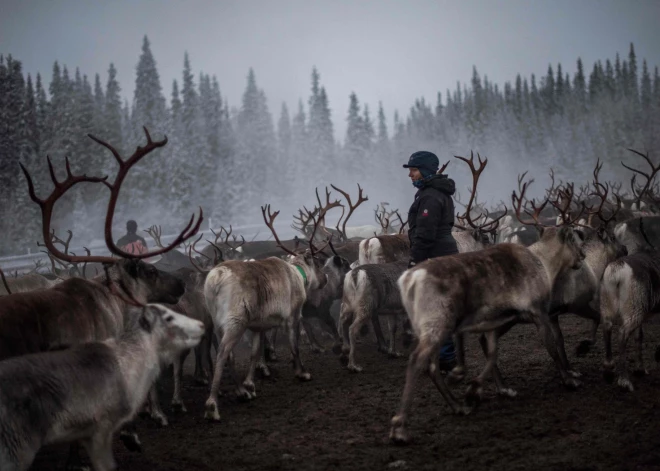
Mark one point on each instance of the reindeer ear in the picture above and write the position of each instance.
(336, 261)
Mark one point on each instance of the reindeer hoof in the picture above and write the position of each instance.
(507, 392)
(304, 376)
(354, 368)
(201, 381)
(399, 436)
(211, 411)
(574, 374)
(456, 375)
(583, 348)
(178, 406)
(572, 384)
(626, 384)
(394, 354)
(131, 441)
(398, 433)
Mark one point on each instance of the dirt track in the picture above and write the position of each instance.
(340, 420)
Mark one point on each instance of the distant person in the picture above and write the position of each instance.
(131, 242)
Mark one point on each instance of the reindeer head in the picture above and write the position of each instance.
(146, 282)
(173, 332)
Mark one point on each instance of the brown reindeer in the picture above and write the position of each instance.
(486, 291)
(80, 310)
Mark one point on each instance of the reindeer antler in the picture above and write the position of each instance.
(47, 204)
(649, 176)
(352, 207)
(269, 222)
(155, 232)
(517, 202)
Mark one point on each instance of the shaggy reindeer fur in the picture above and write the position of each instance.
(370, 290)
(258, 296)
(487, 291)
(629, 294)
(87, 392)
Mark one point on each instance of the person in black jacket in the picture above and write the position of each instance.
(430, 220)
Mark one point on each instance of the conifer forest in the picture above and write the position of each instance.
(230, 159)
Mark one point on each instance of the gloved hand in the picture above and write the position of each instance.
(411, 264)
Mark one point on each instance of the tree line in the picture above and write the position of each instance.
(231, 160)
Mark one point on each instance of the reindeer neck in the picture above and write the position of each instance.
(120, 290)
(548, 252)
(596, 256)
(139, 375)
(301, 270)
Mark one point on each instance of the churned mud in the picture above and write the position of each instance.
(340, 420)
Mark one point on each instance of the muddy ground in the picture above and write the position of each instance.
(340, 420)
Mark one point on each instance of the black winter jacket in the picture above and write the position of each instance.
(430, 220)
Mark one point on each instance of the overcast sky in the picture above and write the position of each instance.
(388, 50)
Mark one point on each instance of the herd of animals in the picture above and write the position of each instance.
(81, 348)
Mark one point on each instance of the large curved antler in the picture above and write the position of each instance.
(61, 188)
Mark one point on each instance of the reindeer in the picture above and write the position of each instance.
(370, 289)
(577, 291)
(260, 295)
(630, 286)
(77, 309)
(89, 391)
(485, 291)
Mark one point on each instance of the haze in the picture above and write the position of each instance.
(393, 51)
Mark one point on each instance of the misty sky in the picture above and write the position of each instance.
(388, 50)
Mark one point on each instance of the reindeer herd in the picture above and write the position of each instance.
(81, 347)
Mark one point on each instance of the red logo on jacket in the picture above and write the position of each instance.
(425, 212)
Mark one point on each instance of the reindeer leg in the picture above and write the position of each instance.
(392, 321)
(229, 338)
(345, 317)
(177, 403)
(545, 331)
(248, 389)
(608, 363)
(378, 331)
(585, 345)
(316, 346)
(559, 340)
(328, 323)
(261, 363)
(458, 372)
(99, 449)
(624, 380)
(270, 353)
(294, 341)
(361, 317)
(640, 370)
(417, 362)
(157, 413)
(497, 375)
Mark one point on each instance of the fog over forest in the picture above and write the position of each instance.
(231, 159)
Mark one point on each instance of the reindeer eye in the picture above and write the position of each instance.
(169, 318)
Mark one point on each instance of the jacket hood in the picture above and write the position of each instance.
(441, 183)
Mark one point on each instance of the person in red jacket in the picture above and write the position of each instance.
(131, 242)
